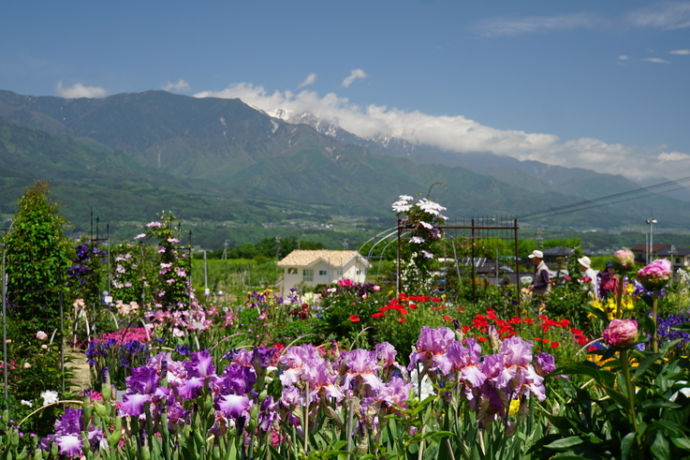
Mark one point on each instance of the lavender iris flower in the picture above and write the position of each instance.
(386, 353)
(431, 344)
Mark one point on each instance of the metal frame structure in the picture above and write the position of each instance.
(475, 233)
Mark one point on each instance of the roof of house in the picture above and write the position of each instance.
(673, 250)
(306, 258)
(558, 251)
(656, 247)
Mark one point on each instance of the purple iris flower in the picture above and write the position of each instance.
(96, 438)
(298, 360)
(70, 422)
(234, 406)
(261, 357)
(463, 360)
(143, 380)
(544, 363)
(395, 392)
(236, 379)
(133, 404)
(191, 388)
(70, 445)
(201, 364)
(268, 414)
(361, 364)
(430, 344)
(386, 353)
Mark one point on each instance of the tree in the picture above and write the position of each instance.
(38, 256)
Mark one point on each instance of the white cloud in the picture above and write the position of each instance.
(673, 156)
(354, 75)
(502, 27)
(457, 133)
(79, 90)
(623, 58)
(668, 16)
(310, 80)
(179, 85)
(680, 52)
(656, 60)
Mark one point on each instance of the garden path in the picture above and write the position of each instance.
(80, 367)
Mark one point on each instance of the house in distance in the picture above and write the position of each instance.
(315, 267)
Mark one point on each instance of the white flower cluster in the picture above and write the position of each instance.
(431, 207)
(404, 204)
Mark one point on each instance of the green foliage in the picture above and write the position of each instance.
(625, 412)
(38, 255)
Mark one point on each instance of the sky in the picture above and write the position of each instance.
(590, 84)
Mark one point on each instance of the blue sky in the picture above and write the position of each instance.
(600, 85)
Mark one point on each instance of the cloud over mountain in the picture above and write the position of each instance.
(457, 133)
(79, 90)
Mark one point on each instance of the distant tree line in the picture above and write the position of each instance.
(267, 248)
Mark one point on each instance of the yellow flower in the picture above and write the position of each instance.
(514, 407)
(630, 288)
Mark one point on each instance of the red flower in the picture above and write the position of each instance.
(402, 319)
(355, 318)
(412, 306)
(378, 315)
(447, 318)
(555, 344)
(436, 299)
(481, 339)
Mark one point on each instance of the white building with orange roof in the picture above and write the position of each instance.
(314, 267)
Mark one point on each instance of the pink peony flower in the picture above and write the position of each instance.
(624, 259)
(621, 333)
(656, 274)
(40, 335)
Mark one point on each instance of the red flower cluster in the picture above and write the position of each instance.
(507, 328)
(403, 304)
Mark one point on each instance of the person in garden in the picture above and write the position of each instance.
(608, 281)
(591, 275)
(540, 281)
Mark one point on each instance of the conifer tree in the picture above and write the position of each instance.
(38, 255)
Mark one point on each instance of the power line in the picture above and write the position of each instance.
(605, 200)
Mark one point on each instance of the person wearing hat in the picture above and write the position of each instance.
(608, 281)
(540, 281)
(590, 274)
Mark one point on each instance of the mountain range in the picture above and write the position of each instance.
(128, 156)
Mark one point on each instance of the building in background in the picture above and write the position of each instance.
(315, 267)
